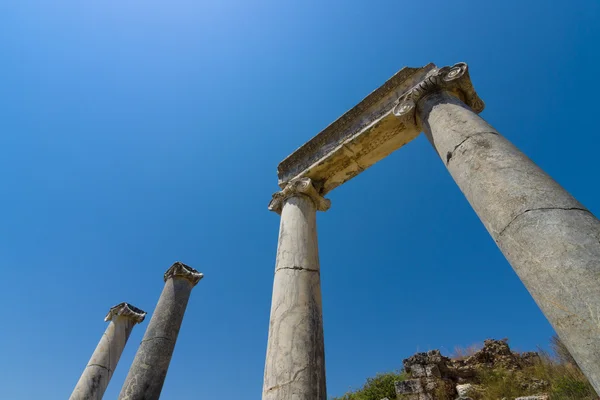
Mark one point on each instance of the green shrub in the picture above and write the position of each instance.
(568, 388)
(377, 388)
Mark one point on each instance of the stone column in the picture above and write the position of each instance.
(549, 238)
(96, 376)
(295, 363)
(149, 369)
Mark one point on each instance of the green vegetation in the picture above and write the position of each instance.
(377, 388)
(563, 382)
(556, 374)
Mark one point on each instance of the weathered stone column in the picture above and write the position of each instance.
(549, 238)
(96, 376)
(149, 369)
(295, 364)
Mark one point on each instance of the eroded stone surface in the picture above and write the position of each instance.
(179, 269)
(358, 139)
(300, 186)
(295, 362)
(556, 253)
(499, 181)
(93, 382)
(377, 126)
(126, 310)
(528, 214)
(149, 369)
(463, 390)
(437, 376)
(549, 238)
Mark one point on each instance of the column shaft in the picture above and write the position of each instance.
(95, 378)
(548, 237)
(149, 368)
(295, 363)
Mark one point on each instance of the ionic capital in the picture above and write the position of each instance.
(126, 310)
(454, 80)
(296, 187)
(181, 270)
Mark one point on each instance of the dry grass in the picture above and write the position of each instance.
(556, 374)
(563, 380)
(563, 383)
(460, 353)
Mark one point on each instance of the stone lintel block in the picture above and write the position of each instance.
(358, 139)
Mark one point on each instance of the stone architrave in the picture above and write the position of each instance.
(97, 374)
(548, 237)
(357, 140)
(149, 369)
(295, 362)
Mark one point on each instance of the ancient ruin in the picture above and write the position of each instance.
(434, 376)
(547, 236)
(149, 369)
(99, 370)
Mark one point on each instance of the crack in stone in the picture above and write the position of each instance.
(538, 209)
(451, 153)
(98, 365)
(298, 269)
(156, 337)
(289, 382)
(299, 372)
(275, 387)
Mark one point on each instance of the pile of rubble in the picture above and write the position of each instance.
(435, 377)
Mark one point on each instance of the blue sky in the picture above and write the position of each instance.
(139, 133)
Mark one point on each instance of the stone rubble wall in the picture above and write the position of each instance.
(434, 376)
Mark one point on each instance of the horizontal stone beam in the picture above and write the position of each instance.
(358, 139)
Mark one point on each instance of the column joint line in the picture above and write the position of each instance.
(541, 209)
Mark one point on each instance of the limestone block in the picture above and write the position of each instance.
(417, 371)
(409, 386)
(358, 139)
(434, 357)
(431, 384)
(463, 390)
(421, 396)
(432, 371)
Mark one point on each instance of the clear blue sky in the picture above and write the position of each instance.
(137, 133)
